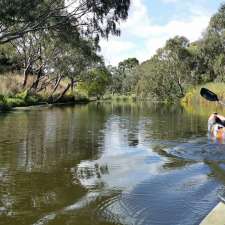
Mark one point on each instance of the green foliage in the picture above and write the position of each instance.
(9, 60)
(219, 68)
(176, 67)
(124, 78)
(21, 99)
(95, 82)
(19, 17)
(22, 95)
(166, 75)
(14, 102)
(128, 64)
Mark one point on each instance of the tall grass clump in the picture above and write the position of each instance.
(10, 84)
(193, 96)
(194, 103)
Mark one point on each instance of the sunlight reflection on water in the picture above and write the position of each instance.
(125, 163)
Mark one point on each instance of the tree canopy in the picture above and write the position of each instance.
(179, 65)
(85, 17)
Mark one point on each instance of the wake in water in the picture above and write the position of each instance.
(200, 149)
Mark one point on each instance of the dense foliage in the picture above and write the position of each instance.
(53, 45)
(95, 17)
(177, 66)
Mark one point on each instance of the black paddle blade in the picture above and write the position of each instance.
(209, 95)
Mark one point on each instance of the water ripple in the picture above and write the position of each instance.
(200, 149)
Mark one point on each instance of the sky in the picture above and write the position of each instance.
(151, 22)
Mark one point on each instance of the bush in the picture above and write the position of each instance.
(14, 102)
(22, 95)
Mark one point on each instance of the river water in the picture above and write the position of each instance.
(107, 163)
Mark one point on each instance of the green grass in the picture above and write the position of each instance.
(24, 99)
(19, 100)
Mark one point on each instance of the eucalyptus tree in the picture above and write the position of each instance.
(127, 71)
(87, 17)
(96, 81)
(128, 64)
(117, 79)
(70, 62)
(167, 74)
(30, 49)
(123, 77)
(212, 46)
(178, 60)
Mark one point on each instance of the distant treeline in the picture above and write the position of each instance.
(177, 66)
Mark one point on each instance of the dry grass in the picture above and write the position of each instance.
(11, 84)
(193, 95)
(12, 93)
(194, 103)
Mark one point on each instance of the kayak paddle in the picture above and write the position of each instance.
(210, 96)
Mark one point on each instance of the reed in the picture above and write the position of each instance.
(194, 103)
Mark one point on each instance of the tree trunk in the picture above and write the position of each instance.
(57, 84)
(39, 74)
(63, 93)
(72, 84)
(181, 88)
(26, 73)
(58, 80)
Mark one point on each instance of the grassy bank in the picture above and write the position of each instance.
(23, 100)
(13, 95)
(193, 102)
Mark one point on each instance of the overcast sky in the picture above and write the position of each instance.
(152, 22)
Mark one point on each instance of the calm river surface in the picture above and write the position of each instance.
(107, 163)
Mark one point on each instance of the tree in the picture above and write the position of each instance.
(128, 64)
(96, 82)
(167, 74)
(219, 68)
(211, 48)
(9, 60)
(73, 61)
(123, 78)
(85, 17)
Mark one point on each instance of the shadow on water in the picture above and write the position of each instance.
(107, 163)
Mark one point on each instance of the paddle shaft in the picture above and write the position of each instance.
(221, 103)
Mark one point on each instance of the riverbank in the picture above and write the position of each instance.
(26, 100)
(13, 94)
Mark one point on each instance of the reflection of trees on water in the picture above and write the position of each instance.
(172, 123)
(49, 157)
(38, 148)
(217, 171)
(40, 139)
(172, 161)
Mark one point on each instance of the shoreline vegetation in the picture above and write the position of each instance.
(50, 48)
(60, 61)
(12, 94)
(194, 103)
